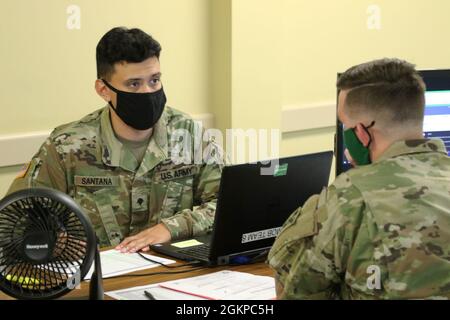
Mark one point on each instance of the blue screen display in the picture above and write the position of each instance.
(437, 116)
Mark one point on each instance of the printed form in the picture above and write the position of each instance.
(226, 285)
(160, 293)
(222, 285)
(115, 263)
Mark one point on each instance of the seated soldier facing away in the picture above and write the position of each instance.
(382, 229)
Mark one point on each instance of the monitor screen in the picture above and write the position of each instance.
(437, 115)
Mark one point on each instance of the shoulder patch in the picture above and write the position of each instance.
(302, 223)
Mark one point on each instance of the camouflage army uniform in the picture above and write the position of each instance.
(122, 197)
(392, 216)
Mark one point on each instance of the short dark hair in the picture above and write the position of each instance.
(389, 88)
(122, 44)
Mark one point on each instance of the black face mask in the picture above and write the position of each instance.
(139, 110)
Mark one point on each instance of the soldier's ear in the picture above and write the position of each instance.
(362, 134)
(102, 90)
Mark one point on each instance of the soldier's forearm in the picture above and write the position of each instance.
(188, 223)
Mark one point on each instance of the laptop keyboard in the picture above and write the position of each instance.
(200, 251)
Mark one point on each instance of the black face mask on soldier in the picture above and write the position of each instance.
(139, 110)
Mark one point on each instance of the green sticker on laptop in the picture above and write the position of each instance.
(280, 170)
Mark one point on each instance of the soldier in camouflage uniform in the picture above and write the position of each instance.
(135, 191)
(382, 229)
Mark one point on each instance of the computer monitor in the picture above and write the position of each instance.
(437, 114)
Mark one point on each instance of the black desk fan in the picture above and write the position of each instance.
(47, 245)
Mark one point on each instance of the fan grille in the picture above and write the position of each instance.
(64, 256)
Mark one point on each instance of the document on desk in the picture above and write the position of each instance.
(160, 293)
(226, 285)
(115, 263)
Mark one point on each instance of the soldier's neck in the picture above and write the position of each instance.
(126, 132)
(380, 143)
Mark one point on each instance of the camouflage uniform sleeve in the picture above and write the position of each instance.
(310, 254)
(198, 221)
(44, 170)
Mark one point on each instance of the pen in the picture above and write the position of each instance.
(149, 295)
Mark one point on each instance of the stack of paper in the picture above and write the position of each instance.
(115, 263)
(222, 285)
(160, 293)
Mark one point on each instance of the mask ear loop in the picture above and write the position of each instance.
(111, 88)
(367, 131)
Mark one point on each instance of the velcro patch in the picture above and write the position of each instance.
(165, 165)
(96, 181)
(178, 173)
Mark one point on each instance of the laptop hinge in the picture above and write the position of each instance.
(244, 257)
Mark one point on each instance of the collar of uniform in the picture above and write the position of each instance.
(113, 153)
(159, 135)
(111, 146)
(157, 149)
(413, 146)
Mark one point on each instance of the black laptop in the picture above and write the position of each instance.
(253, 203)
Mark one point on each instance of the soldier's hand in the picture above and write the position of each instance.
(141, 241)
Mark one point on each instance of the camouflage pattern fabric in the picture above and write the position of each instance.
(122, 197)
(389, 220)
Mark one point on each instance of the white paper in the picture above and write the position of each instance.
(226, 285)
(137, 293)
(115, 263)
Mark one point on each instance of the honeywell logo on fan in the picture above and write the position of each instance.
(37, 246)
